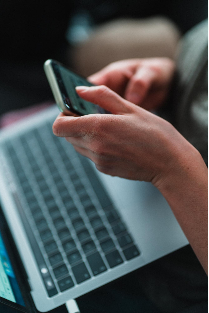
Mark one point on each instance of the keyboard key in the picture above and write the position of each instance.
(38, 175)
(26, 187)
(30, 197)
(96, 222)
(81, 273)
(37, 214)
(68, 203)
(118, 228)
(96, 263)
(55, 175)
(131, 252)
(85, 199)
(59, 223)
(83, 235)
(54, 213)
(68, 164)
(77, 181)
(102, 233)
(125, 240)
(63, 233)
(51, 204)
(65, 283)
(90, 210)
(41, 223)
(46, 193)
(34, 206)
(74, 257)
(60, 271)
(69, 245)
(74, 177)
(46, 234)
(49, 199)
(78, 223)
(79, 187)
(89, 247)
(51, 247)
(42, 185)
(50, 287)
(95, 182)
(55, 259)
(112, 216)
(64, 193)
(107, 245)
(114, 258)
(82, 192)
(60, 186)
(73, 213)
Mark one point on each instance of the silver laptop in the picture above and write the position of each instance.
(75, 228)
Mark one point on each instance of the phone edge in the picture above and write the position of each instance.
(54, 86)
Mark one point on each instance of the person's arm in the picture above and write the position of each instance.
(123, 39)
(135, 144)
(186, 190)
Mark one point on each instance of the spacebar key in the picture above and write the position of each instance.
(80, 272)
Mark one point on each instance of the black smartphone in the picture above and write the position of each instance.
(63, 82)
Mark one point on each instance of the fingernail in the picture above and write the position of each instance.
(81, 88)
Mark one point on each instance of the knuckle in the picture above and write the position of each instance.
(102, 162)
(103, 90)
(103, 169)
(112, 66)
(97, 148)
(139, 83)
(94, 130)
(56, 128)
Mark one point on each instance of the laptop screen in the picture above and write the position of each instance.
(9, 288)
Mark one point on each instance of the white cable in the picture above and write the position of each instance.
(72, 306)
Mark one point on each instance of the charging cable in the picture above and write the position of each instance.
(72, 306)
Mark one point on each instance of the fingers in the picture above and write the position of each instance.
(140, 84)
(84, 127)
(66, 126)
(134, 79)
(116, 78)
(100, 78)
(105, 98)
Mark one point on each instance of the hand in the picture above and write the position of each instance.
(131, 143)
(144, 82)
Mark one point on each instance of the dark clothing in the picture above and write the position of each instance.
(191, 92)
(164, 286)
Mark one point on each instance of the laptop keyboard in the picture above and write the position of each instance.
(75, 231)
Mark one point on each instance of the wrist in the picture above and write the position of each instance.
(185, 173)
(186, 190)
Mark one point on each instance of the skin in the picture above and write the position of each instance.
(136, 144)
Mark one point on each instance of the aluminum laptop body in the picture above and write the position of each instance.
(140, 225)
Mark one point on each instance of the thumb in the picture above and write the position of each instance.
(105, 98)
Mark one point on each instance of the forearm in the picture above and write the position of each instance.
(186, 191)
(124, 39)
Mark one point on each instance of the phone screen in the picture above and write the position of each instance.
(9, 288)
(67, 82)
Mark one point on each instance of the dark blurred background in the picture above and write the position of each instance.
(33, 31)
